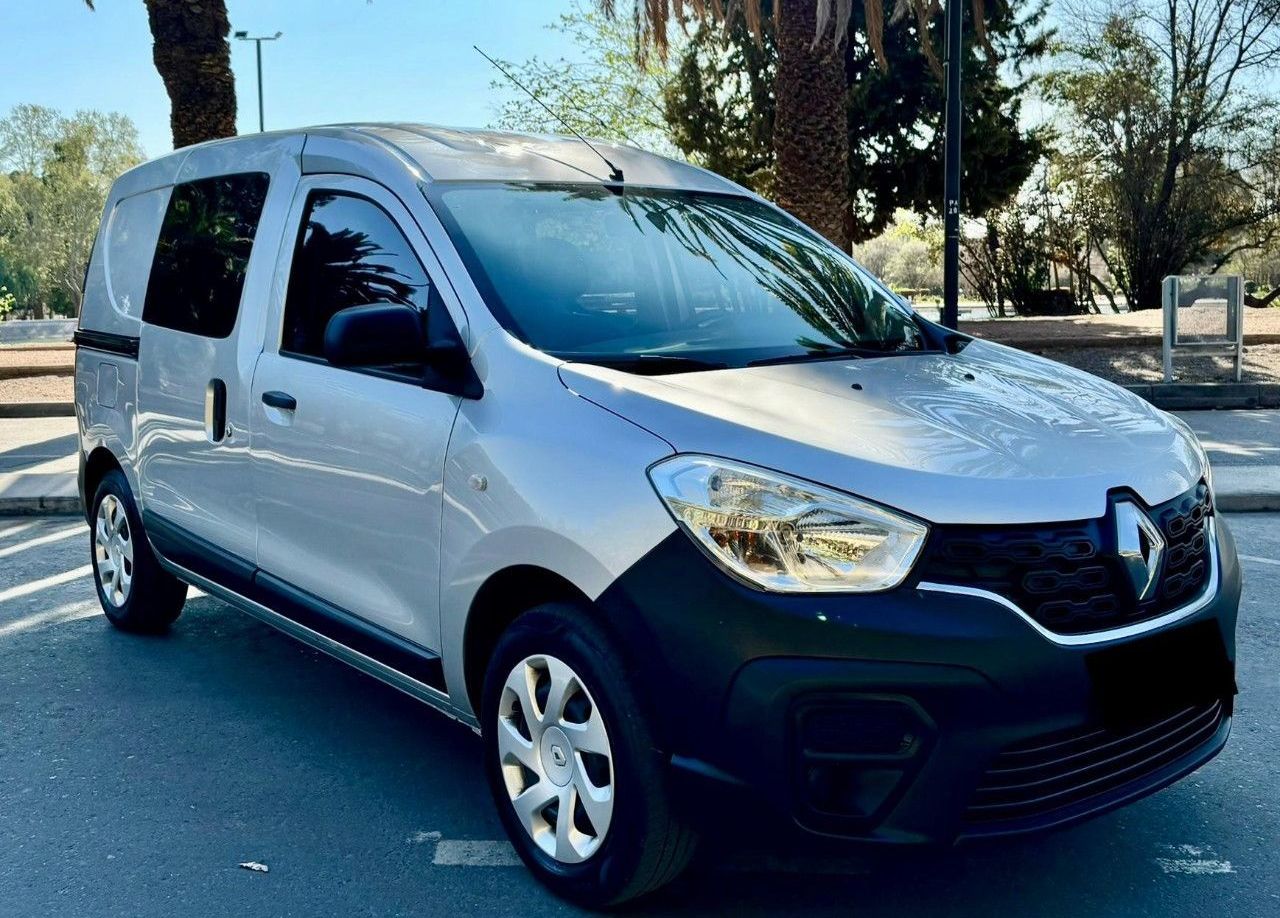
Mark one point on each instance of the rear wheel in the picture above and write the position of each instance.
(572, 764)
(135, 592)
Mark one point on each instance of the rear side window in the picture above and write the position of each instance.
(203, 252)
(350, 253)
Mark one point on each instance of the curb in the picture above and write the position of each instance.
(37, 410)
(1209, 396)
(43, 369)
(1248, 502)
(40, 506)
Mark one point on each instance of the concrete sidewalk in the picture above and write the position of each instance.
(38, 461)
(38, 466)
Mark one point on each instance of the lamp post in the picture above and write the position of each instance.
(951, 181)
(258, 40)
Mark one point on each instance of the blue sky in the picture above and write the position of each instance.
(339, 60)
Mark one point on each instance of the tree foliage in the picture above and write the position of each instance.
(1167, 131)
(721, 109)
(603, 92)
(55, 172)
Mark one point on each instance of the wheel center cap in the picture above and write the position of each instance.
(557, 756)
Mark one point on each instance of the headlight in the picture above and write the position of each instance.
(784, 534)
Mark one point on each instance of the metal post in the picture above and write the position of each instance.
(1170, 291)
(258, 40)
(951, 157)
(262, 124)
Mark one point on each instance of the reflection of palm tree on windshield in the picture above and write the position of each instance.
(835, 300)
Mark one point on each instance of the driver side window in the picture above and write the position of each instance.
(349, 253)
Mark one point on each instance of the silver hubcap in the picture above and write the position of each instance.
(556, 759)
(113, 550)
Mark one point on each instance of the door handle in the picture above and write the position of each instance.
(215, 410)
(282, 400)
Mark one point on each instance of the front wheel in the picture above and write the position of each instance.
(572, 764)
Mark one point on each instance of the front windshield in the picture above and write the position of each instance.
(703, 280)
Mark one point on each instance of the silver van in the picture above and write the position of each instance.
(612, 460)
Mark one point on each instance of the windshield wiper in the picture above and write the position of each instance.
(644, 364)
(834, 353)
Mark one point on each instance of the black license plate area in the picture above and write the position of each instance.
(1158, 675)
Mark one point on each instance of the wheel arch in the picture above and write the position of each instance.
(97, 464)
(501, 599)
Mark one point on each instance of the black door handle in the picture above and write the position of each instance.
(215, 410)
(282, 400)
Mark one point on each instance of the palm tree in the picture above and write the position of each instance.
(811, 133)
(193, 58)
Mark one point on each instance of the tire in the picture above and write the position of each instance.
(135, 592)
(643, 844)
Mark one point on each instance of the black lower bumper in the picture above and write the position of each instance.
(916, 716)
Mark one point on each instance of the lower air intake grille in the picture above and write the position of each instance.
(1052, 773)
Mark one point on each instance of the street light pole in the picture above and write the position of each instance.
(951, 158)
(258, 40)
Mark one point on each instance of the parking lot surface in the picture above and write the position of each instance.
(137, 774)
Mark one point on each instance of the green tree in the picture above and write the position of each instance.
(602, 92)
(1168, 129)
(810, 88)
(54, 176)
(193, 58)
(722, 111)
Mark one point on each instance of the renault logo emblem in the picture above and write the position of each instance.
(558, 756)
(1140, 546)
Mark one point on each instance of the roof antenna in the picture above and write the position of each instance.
(615, 174)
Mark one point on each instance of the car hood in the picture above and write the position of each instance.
(988, 435)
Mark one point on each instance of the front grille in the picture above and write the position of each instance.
(1054, 773)
(1068, 576)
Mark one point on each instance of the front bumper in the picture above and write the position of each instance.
(915, 716)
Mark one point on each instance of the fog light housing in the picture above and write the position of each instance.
(849, 791)
(853, 756)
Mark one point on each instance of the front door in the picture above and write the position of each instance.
(348, 464)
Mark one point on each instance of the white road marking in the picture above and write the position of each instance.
(421, 838)
(1191, 861)
(14, 530)
(43, 540)
(453, 852)
(68, 613)
(35, 586)
(1258, 560)
(1194, 866)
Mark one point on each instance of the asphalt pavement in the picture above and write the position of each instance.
(137, 774)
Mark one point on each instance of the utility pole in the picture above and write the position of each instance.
(951, 158)
(258, 40)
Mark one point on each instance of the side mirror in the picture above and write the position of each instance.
(379, 334)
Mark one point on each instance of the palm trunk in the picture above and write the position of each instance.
(811, 129)
(193, 57)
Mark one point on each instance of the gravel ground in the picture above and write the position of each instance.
(38, 389)
(1138, 363)
(1147, 323)
(1143, 365)
(28, 356)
